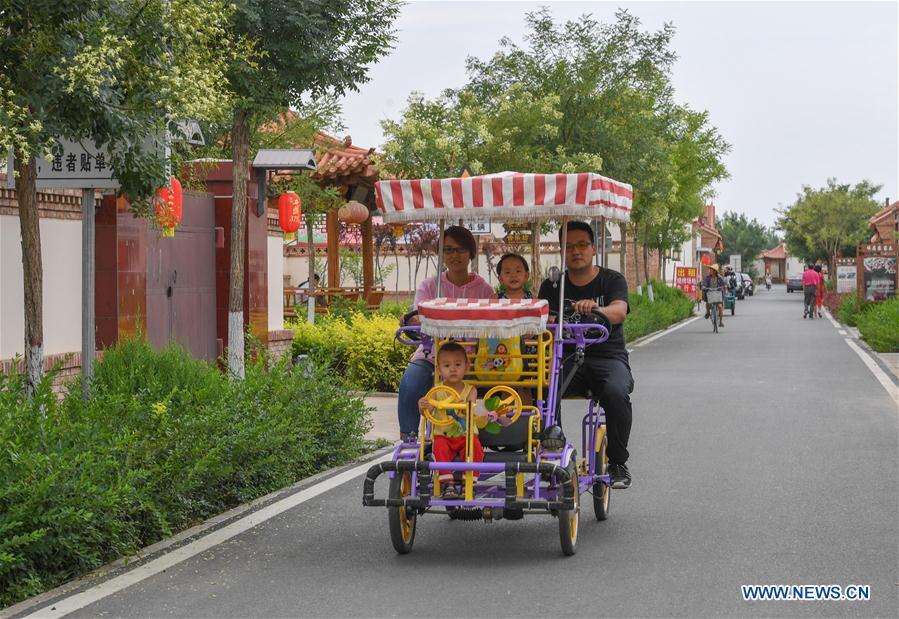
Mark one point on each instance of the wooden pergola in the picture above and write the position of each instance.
(352, 170)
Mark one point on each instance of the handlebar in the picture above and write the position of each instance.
(410, 336)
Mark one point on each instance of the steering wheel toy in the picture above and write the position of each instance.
(502, 405)
(451, 400)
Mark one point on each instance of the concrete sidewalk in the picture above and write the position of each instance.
(383, 417)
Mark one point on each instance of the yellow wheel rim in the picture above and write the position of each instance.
(602, 465)
(573, 514)
(406, 523)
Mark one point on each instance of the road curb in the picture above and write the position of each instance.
(655, 334)
(161, 547)
(858, 341)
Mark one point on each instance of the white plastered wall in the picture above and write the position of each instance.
(61, 257)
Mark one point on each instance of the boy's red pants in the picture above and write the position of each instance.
(446, 448)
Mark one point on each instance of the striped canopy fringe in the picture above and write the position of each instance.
(509, 196)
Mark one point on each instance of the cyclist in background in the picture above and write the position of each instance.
(713, 282)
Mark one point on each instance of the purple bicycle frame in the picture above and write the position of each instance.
(492, 495)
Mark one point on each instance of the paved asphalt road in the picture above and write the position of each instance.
(766, 454)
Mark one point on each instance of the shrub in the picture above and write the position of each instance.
(375, 360)
(832, 301)
(342, 308)
(393, 308)
(878, 325)
(670, 306)
(326, 340)
(361, 348)
(849, 309)
(164, 442)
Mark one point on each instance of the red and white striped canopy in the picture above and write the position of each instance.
(505, 196)
(483, 317)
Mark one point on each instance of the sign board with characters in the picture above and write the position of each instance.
(877, 272)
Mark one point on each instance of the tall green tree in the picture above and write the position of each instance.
(298, 49)
(111, 72)
(828, 220)
(581, 95)
(744, 237)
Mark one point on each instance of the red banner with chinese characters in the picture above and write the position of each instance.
(685, 279)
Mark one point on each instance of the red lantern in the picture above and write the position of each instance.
(706, 259)
(289, 211)
(169, 206)
(352, 212)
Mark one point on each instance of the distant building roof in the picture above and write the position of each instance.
(883, 223)
(775, 253)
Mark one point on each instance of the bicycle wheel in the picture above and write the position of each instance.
(570, 518)
(402, 521)
(714, 315)
(602, 494)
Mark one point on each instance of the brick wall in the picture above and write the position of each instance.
(69, 368)
(52, 204)
(630, 267)
(280, 343)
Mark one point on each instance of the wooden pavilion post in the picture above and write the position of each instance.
(368, 257)
(333, 230)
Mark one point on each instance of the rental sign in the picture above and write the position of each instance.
(685, 278)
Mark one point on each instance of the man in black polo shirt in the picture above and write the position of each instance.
(606, 369)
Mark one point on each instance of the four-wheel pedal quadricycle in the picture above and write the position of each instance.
(528, 465)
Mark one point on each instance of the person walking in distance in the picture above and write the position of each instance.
(819, 298)
(810, 282)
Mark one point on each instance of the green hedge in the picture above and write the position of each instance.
(849, 309)
(362, 348)
(670, 306)
(878, 324)
(164, 442)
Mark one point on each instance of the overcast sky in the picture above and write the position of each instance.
(803, 91)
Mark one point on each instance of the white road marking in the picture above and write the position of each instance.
(666, 332)
(842, 332)
(879, 374)
(142, 572)
(835, 324)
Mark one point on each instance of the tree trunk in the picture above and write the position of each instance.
(32, 270)
(636, 259)
(646, 263)
(622, 248)
(240, 144)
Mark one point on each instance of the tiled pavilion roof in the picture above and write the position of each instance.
(336, 159)
(775, 253)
